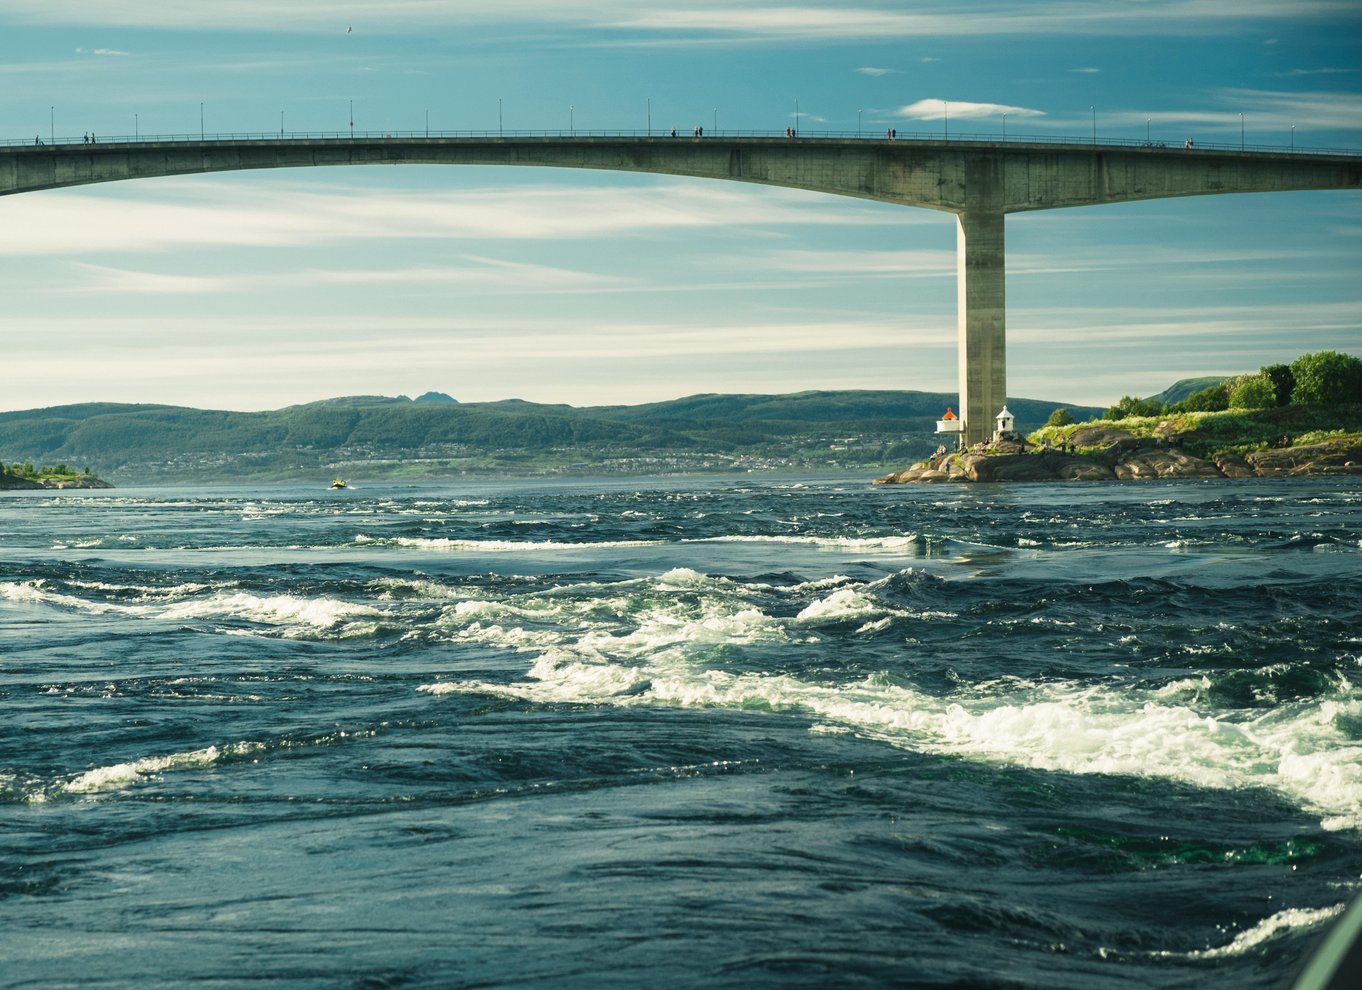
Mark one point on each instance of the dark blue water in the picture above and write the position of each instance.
(709, 734)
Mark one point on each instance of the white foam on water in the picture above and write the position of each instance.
(122, 775)
(845, 603)
(495, 546)
(286, 611)
(893, 544)
(1296, 750)
(1250, 938)
(322, 613)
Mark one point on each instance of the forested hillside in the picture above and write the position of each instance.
(376, 435)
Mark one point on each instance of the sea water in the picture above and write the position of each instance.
(702, 733)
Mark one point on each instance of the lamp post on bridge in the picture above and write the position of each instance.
(500, 132)
(1093, 111)
(200, 120)
(136, 134)
(1293, 137)
(427, 122)
(650, 116)
(352, 120)
(1241, 132)
(1004, 126)
(858, 123)
(716, 120)
(572, 126)
(946, 120)
(51, 125)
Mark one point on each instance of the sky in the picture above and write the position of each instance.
(259, 290)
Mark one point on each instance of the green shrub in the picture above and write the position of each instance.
(1060, 417)
(1253, 392)
(1131, 406)
(1327, 377)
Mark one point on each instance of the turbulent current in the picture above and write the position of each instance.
(717, 733)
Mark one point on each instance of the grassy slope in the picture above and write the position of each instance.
(1238, 430)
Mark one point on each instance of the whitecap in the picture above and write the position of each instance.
(1283, 921)
(1299, 752)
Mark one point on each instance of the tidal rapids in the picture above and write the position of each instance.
(713, 733)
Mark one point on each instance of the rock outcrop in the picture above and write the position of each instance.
(1323, 458)
(1125, 457)
(1163, 463)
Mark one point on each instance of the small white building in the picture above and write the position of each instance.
(950, 423)
(1006, 422)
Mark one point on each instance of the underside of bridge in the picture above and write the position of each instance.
(979, 182)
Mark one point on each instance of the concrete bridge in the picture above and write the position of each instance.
(979, 181)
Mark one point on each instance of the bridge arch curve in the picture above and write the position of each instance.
(980, 182)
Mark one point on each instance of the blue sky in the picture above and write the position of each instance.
(266, 289)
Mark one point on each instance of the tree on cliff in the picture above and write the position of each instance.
(1327, 377)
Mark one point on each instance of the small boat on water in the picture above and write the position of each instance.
(339, 483)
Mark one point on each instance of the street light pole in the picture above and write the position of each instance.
(1093, 110)
(352, 120)
(136, 133)
(51, 125)
(500, 132)
(858, 123)
(650, 116)
(716, 120)
(1293, 137)
(200, 121)
(1004, 127)
(796, 126)
(427, 122)
(572, 127)
(1241, 132)
(946, 120)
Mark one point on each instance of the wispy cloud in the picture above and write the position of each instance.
(870, 70)
(99, 51)
(1297, 73)
(1262, 110)
(933, 109)
(205, 212)
(771, 19)
(478, 274)
(1086, 70)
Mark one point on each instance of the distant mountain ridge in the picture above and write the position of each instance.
(436, 433)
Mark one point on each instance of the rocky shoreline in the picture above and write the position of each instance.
(1112, 454)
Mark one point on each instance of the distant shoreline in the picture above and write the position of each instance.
(15, 483)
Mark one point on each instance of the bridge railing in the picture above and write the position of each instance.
(657, 134)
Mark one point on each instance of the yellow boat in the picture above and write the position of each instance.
(338, 483)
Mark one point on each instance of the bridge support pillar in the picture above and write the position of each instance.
(982, 323)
